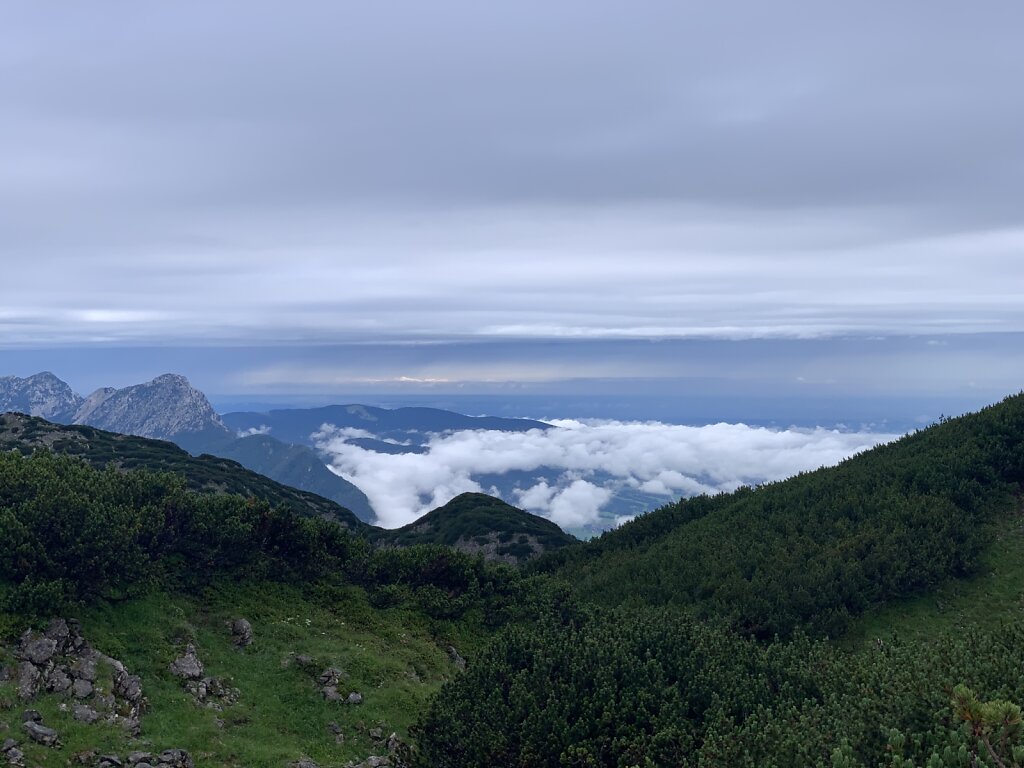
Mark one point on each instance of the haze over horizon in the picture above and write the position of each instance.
(791, 200)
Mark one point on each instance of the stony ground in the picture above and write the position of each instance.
(248, 677)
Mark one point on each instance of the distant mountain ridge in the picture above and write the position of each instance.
(406, 425)
(281, 446)
(41, 394)
(166, 408)
(170, 408)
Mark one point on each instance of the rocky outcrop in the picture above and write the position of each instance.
(187, 666)
(456, 657)
(398, 752)
(169, 758)
(42, 394)
(212, 692)
(328, 682)
(59, 660)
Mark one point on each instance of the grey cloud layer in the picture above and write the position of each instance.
(266, 171)
(656, 458)
(585, 274)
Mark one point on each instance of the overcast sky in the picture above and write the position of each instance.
(490, 177)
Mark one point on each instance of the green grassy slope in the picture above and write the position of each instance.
(393, 657)
(994, 593)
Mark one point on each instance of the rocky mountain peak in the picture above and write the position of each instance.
(166, 407)
(171, 380)
(41, 394)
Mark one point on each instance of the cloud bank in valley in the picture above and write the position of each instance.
(592, 461)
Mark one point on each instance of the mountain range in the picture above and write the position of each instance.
(279, 444)
(129, 427)
(169, 408)
(404, 429)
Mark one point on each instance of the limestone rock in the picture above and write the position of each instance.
(175, 758)
(37, 650)
(84, 714)
(60, 632)
(128, 687)
(188, 665)
(164, 408)
(84, 668)
(59, 680)
(329, 676)
(334, 728)
(29, 680)
(394, 743)
(40, 733)
(354, 698)
(241, 633)
(374, 761)
(456, 657)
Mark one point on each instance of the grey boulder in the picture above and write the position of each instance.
(188, 665)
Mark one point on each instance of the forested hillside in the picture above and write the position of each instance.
(475, 522)
(72, 533)
(471, 522)
(815, 550)
(99, 448)
(704, 659)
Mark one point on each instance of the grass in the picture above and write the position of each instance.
(392, 657)
(994, 593)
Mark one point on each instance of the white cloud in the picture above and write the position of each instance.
(592, 459)
(578, 504)
(262, 429)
